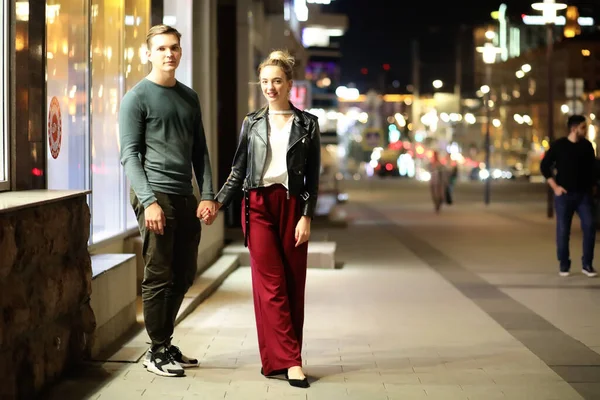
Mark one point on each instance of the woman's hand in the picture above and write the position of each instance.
(208, 215)
(302, 231)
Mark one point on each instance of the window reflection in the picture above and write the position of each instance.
(114, 56)
(107, 64)
(67, 93)
(118, 33)
(137, 24)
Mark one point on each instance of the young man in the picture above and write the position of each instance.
(574, 159)
(162, 137)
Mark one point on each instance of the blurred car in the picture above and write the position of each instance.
(387, 164)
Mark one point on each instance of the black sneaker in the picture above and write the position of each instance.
(161, 362)
(589, 271)
(183, 360)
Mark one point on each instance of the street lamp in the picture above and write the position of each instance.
(437, 84)
(549, 8)
(489, 52)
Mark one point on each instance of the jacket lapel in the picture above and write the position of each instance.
(299, 127)
(261, 127)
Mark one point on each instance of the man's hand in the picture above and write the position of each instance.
(302, 231)
(559, 190)
(155, 219)
(207, 211)
(556, 188)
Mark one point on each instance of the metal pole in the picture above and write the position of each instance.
(488, 181)
(549, 54)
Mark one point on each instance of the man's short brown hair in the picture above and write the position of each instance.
(161, 30)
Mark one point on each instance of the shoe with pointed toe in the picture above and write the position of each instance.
(299, 383)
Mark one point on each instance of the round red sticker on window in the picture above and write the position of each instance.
(54, 127)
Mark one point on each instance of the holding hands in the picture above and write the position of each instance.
(207, 211)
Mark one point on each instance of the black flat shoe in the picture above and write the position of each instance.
(273, 373)
(299, 383)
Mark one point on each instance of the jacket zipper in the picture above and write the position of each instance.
(296, 142)
(288, 152)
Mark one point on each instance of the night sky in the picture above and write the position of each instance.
(381, 31)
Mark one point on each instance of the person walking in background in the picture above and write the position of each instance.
(452, 178)
(277, 164)
(162, 138)
(438, 182)
(573, 158)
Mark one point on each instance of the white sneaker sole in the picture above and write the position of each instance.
(564, 274)
(589, 274)
(147, 362)
(152, 368)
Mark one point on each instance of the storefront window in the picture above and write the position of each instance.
(118, 62)
(95, 53)
(4, 102)
(108, 183)
(67, 94)
(137, 24)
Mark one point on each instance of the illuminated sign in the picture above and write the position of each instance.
(514, 48)
(300, 95)
(502, 21)
(301, 10)
(314, 36)
(560, 20)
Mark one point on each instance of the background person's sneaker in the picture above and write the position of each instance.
(589, 271)
(183, 360)
(161, 362)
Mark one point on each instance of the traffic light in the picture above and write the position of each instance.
(386, 67)
(364, 71)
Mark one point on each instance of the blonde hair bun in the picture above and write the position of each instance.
(282, 59)
(283, 56)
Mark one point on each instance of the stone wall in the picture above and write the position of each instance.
(46, 322)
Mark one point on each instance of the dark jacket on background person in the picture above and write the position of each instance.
(574, 162)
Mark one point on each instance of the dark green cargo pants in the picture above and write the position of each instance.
(170, 262)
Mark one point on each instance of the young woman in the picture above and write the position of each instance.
(277, 164)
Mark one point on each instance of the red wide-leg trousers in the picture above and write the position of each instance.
(278, 275)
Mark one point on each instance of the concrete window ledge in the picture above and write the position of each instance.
(16, 200)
